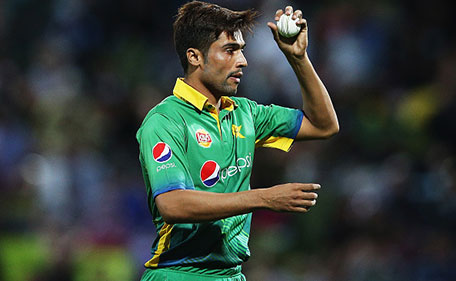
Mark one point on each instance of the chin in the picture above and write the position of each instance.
(232, 93)
(230, 90)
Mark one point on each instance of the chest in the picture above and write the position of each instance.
(220, 150)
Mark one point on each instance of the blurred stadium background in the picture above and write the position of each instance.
(78, 76)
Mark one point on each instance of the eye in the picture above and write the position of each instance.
(229, 50)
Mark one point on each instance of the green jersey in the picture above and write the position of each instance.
(185, 144)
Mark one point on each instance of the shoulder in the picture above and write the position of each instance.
(168, 109)
(241, 101)
(163, 116)
(167, 106)
(245, 104)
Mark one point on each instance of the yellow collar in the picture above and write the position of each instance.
(187, 93)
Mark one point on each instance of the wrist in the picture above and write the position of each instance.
(298, 58)
(262, 200)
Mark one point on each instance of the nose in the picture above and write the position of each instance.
(241, 61)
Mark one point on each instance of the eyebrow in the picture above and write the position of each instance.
(234, 45)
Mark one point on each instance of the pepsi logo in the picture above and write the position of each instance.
(210, 173)
(203, 138)
(162, 152)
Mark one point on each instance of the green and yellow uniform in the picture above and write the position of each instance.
(185, 144)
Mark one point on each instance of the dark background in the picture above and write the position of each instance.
(77, 78)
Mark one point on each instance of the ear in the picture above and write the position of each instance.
(194, 57)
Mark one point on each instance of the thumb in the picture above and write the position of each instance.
(274, 30)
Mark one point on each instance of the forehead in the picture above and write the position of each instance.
(225, 38)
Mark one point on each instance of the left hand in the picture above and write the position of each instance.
(295, 46)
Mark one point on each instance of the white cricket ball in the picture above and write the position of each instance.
(287, 26)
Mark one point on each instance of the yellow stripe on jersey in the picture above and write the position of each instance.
(282, 143)
(214, 114)
(163, 245)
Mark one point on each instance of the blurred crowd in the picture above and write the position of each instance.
(77, 78)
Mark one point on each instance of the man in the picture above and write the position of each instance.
(197, 146)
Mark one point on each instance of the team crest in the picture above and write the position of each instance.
(237, 131)
(203, 138)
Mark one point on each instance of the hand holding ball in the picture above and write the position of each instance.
(287, 26)
(290, 32)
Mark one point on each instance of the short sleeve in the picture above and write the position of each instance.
(162, 155)
(275, 126)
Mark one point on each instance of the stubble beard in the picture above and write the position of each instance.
(218, 89)
(228, 89)
(223, 89)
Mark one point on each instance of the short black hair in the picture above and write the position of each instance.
(198, 24)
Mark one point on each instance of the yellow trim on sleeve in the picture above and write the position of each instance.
(163, 245)
(281, 143)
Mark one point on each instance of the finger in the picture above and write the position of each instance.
(302, 23)
(288, 10)
(309, 195)
(300, 209)
(308, 186)
(297, 15)
(274, 30)
(303, 210)
(278, 14)
(306, 203)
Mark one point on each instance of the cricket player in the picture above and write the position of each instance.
(197, 146)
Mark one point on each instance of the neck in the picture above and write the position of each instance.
(200, 87)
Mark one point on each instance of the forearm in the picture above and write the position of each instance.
(317, 103)
(189, 206)
(192, 206)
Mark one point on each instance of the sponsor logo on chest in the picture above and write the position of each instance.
(211, 172)
(203, 138)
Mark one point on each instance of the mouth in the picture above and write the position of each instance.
(236, 76)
